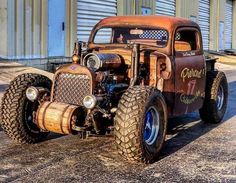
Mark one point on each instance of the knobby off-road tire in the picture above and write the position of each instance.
(216, 98)
(16, 109)
(133, 136)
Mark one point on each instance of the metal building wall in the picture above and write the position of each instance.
(217, 12)
(146, 4)
(134, 7)
(89, 14)
(234, 25)
(228, 24)
(71, 26)
(27, 25)
(24, 26)
(204, 21)
(27, 28)
(166, 7)
(3, 28)
(187, 8)
(125, 7)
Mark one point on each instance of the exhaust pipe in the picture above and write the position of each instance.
(135, 64)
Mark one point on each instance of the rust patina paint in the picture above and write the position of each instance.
(164, 22)
(177, 61)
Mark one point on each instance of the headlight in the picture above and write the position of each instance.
(90, 101)
(32, 93)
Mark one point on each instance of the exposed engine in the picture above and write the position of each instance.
(110, 75)
(111, 84)
(89, 90)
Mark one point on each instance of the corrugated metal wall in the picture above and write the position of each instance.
(134, 7)
(145, 4)
(24, 33)
(234, 25)
(214, 25)
(187, 8)
(228, 24)
(71, 26)
(3, 28)
(27, 24)
(164, 7)
(27, 28)
(216, 16)
(204, 21)
(89, 14)
(125, 7)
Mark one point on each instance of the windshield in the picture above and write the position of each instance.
(155, 37)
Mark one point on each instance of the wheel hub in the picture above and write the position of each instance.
(220, 98)
(151, 126)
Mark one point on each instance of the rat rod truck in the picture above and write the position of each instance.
(134, 73)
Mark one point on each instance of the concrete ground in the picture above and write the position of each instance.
(226, 59)
(194, 151)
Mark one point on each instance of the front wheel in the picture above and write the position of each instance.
(140, 124)
(17, 112)
(216, 98)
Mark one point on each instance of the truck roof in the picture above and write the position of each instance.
(165, 22)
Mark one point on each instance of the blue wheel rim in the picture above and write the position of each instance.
(151, 126)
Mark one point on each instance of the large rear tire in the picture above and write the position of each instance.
(140, 124)
(215, 103)
(16, 113)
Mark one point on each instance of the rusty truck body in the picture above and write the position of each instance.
(134, 74)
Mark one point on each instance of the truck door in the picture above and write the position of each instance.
(190, 71)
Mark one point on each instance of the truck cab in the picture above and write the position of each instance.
(173, 52)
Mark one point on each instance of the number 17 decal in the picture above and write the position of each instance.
(191, 87)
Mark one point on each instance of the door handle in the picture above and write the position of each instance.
(63, 26)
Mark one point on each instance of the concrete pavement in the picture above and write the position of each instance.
(194, 152)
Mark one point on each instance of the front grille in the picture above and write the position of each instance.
(71, 88)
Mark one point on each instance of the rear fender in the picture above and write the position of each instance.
(210, 64)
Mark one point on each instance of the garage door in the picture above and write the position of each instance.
(164, 7)
(90, 13)
(204, 21)
(228, 24)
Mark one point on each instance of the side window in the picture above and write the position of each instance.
(103, 36)
(186, 40)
